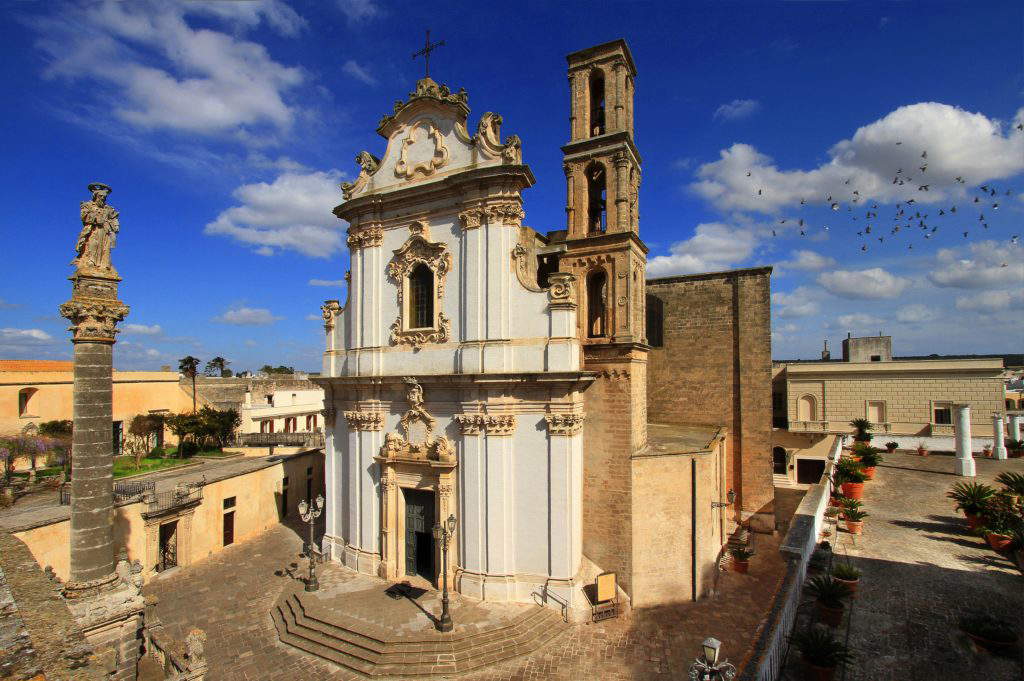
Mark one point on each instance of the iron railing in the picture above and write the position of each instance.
(309, 439)
(122, 491)
(182, 495)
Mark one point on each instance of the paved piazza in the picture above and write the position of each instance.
(921, 568)
(230, 596)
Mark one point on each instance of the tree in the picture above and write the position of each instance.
(141, 429)
(218, 366)
(267, 369)
(189, 366)
(219, 424)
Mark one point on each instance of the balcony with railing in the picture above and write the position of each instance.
(809, 426)
(310, 439)
(182, 496)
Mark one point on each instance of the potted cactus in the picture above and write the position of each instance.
(848, 575)
(821, 652)
(829, 594)
(970, 497)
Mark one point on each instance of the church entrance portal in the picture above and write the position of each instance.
(419, 536)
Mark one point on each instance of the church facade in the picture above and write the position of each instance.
(485, 372)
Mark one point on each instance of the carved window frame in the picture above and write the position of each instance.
(418, 249)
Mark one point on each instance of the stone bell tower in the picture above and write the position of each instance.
(604, 251)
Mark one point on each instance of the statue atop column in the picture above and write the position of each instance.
(99, 231)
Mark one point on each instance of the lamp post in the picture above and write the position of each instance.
(707, 667)
(309, 512)
(443, 533)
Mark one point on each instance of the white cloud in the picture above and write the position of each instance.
(809, 260)
(859, 321)
(799, 303)
(983, 269)
(247, 316)
(352, 68)
(916, 314)
(292, 212)
(359, 10)
(714, 246)
(736, 109)
(327, 282)
(313, 317)
(24, 335)
(4, 305)
(142, 329)
(992, 301)
(872, 283)
(959, 143)
(156, 71)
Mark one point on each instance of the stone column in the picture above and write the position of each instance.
(1015, 426)
(621, 194)
(964, 461)
(998, 445)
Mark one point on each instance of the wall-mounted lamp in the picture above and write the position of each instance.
(730, 495)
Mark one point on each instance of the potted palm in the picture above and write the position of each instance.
(1000, 517)
(869, 458)
(1014, 448)
(849, 505)
(829, 594)
(891, 447)
(862, 430)
(970, 497)
(852, 476)
(855, 520)
(1013, 483)
(848, 575)
(989, 632)
(741, 558)
(821, 652)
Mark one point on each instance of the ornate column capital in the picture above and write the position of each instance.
(330, 413)
(470, 424)
(365, 237)
(561, 287)
(93, 320)
(471, 219)
(491, 424)
(507, 213)
(565, 424)
(364, 420)
(330, 310)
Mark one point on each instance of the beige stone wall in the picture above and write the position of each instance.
(715, 369)
(257, 509)
(908, 397)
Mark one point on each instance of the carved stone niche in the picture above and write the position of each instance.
(435, 255)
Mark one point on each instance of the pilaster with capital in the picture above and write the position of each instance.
(364, 420)
(621, 194)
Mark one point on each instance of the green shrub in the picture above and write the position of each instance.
(970, 497)
(818, 646)
(845, 571)
(828, 591)
(892, 446)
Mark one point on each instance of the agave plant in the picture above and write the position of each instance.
(828, 591)
(846, 572)
(970, 497)
(1012, 481)
(819, 647)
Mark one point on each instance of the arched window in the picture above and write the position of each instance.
(421, 298)
(597, 307)
(778, 460)
(655, 321)
(596, 103)
(597, 199)
(25, 396)
(807, 408)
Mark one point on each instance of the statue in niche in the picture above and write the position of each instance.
(99, 231)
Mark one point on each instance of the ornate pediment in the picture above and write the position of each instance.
(416, 441)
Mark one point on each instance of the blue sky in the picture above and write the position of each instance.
(224, 129)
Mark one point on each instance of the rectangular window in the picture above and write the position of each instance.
(942, 413)
(270, 400)
(229, 502)
(876, 358)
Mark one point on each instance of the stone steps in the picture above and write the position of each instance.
(363, 649)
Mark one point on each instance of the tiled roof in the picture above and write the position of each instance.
(35, 365)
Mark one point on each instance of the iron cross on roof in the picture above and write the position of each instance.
(425, 52)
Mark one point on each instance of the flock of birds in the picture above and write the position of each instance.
(908, 217)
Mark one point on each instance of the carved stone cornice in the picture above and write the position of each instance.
(93, 319)
(492, 424)
(330, 310)
(365, 237)
(565, 424)
(471, 219)
(561, 289)
(507, 213)
(364, 420)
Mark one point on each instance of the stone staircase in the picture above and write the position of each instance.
(372, 651)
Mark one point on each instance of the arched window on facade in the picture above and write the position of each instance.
(597, 306)
(597, 198)
(779, 460)
(807, 408)
(420, 313)
(597, 117)
(655, 321)
(25, 396)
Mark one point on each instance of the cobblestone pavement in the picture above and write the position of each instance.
(921, 569)
(230, 594)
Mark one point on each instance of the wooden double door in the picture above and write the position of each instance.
(419, 533)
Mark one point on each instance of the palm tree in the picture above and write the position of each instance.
(863, 428)
(217, 366)
(189, 366)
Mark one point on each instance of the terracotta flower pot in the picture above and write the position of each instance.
(852, 584)
(854, 526)
(972, 520)
(833, 617)
(853, 490)
(740, 566)
(922, 452)
(999, 542)
(869, 472)
(816, 673)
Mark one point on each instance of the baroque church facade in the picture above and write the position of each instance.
(484, 371)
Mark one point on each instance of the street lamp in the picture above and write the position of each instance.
(309, 513)
(443, 533)
(707, 667)
(731, 498)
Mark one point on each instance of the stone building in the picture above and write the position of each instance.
(484, 370)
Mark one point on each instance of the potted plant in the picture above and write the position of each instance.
(869, 458)
(741, 558)
(891, 447)
(855, 520)
(829, 594)
(1013, 482)
(1000, 517)
(970, 497)
(986, 451)
(852, 477)
(989, 632)
(848, 575)
(820, 651)
(849, 505)
(862, 430)
(921, 449)
(1014, 448)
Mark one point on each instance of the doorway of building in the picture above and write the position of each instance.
(419, 535)
(116, 436)
(808, 471)
(229, 528)
(168, 546)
